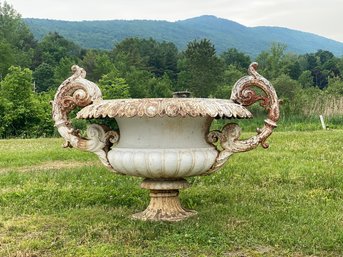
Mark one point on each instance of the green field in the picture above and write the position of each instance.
(283, 201)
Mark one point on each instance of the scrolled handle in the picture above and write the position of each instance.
(244, 94)
(76, 91)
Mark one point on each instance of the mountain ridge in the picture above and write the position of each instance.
(223, 33)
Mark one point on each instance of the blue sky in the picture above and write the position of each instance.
(322, 17)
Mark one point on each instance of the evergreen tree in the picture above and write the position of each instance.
(203, 70)
(43, 77)
(238, 59)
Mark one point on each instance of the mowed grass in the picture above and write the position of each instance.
(283, 201)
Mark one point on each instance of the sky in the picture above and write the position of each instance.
(322, 17)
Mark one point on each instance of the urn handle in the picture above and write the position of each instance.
(76, 91)
(243, 93)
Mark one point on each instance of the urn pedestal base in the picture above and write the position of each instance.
(164, 201)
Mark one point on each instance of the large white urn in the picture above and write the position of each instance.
(163, 140)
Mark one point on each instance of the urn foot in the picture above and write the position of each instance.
(164, 201)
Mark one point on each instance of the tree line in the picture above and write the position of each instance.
(31, 71)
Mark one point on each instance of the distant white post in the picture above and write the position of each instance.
(322, 121)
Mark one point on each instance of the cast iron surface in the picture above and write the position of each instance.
(78, 91)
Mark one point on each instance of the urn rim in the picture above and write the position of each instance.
(165, 107)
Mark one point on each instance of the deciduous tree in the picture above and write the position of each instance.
(17, 92)
(114, 87)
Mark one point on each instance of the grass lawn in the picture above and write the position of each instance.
(283, 201)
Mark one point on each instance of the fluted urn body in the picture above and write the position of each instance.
(163, 147)
(163, 140)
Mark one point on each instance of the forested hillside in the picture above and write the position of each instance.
(30, 72)
(223, 34)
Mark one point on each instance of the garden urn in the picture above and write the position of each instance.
(164, 140)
